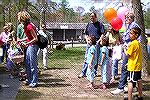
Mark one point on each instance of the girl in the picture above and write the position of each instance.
(91, 61)
(12, 51)
(104, 62)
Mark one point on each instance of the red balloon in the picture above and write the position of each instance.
(116, 23)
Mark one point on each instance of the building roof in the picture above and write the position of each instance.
(66, 25)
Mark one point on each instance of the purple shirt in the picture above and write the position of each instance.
(96, 29)
(125, 36)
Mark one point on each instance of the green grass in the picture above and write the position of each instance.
(65, 58)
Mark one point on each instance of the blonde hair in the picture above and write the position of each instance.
(5, 27)
(24, 16)
(18, 15)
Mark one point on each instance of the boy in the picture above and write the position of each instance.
(134, 66)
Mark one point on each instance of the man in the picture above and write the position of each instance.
(94, 28)
(126, 40)
(42, 31)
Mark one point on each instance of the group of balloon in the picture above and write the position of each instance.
(115, 18)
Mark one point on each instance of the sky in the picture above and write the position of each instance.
(98, 4)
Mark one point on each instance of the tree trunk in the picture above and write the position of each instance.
(136, 5)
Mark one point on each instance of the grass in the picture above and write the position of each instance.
(65, 58)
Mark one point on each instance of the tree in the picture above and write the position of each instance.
(80, 10)
(147, 18)
(136, 4)
(63, 9)
(92, 9)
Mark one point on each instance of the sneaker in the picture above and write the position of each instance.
(45, 67)
(33, 85)
(117, 91)
(125, 89)
(11, 76)
(4, 86)
(80, 76)
(126, 98)
(138, 98)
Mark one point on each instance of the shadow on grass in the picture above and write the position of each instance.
(146, 98)
(44, 75)
(53, 68)
(2, 70)
(113, 85)
(27, 95)
(52, 82)
(53, 85)
(146, 85)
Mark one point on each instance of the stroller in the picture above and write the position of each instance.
(15, 60)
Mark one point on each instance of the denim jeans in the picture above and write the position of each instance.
(5, 48)
(98, 51)
(115, 67)
(124, 73)
(148, 50)
(84, 69)
(31, 64)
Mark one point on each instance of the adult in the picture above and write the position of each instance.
(42, 31)
(126, 40)
(148, 46)
(96, 29)
(4, 42)
(32, 48)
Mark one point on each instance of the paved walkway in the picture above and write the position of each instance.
(10, 87)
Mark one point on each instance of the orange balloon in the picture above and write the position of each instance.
(109, 14)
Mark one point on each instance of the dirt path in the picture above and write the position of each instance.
(63, 84)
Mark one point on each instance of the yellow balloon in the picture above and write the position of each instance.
(109, 14)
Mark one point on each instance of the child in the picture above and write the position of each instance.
(115, 43)
(134, 65)
(91, 61)
(84, 67)
(12, 51)
(104, 62)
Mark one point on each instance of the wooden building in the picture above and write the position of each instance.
(65, 31)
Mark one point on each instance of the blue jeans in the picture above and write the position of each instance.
(115, 67)
(10, 64)
(31, 64)
(124, 73)
(84, 69)
(5, 48)
(148, 50)
(98, 51)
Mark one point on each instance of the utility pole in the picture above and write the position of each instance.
(42, 13)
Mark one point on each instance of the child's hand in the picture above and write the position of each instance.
(23, 44)
(101, 64)
(90, 66)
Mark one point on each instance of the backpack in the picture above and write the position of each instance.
(42, 41)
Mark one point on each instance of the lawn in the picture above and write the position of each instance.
(64, 58)
(61, 81)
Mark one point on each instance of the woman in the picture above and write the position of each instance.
(32, 48)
